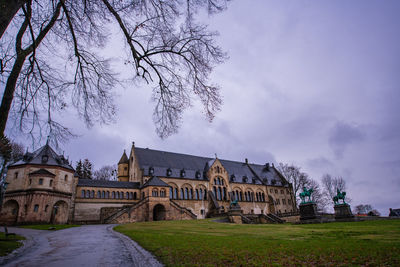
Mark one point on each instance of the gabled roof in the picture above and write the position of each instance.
(155, 181)
(124, 159)
(110, 184)
(44, 156)
(159, 162)
(42, 172)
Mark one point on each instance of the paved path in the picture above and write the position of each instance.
(90, 245)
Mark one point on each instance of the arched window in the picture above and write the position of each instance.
(83, 193)
(219, 193)
(162, 193)
(222, 181)
(215, 191)
(224, 193)
(186, 193)
(205, 194)
(117, 195)
(154, 193)
(196, 196)
(92, 194)
(103, 194)
(201, 194)
(176, 193)
(66, 178)
(108, 194)
(128, 195)
(263, 197)
(122, 195)
(87, 194)
(134, 195)
(219, 181)
(182, 194)
(98, 194)
(191, 193)
(113, 195)
(252, 196)
(170, 193)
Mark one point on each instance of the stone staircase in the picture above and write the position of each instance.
(259, 218)
(182, 209)
(126, 209)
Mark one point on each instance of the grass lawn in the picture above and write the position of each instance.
(9, 244)
(49, 226)
(203, 242)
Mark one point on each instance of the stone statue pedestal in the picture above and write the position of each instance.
(234, 214)
(343, 211)
(308, 211)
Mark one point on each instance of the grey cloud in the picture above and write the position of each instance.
(342, 135)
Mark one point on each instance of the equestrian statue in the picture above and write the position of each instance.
(306, 193)
(339, 195)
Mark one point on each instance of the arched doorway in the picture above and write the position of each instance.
(9, 212)
(271, 205)
(59, 213)
(159, 212)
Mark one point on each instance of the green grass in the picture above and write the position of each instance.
(49, 226)
(207, 243)
(9, 244)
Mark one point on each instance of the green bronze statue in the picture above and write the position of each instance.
(234, 203)
(306, 193)
(339, 195)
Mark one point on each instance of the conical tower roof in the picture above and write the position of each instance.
(124, 159)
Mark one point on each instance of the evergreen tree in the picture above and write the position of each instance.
(79, 168)
(87, 169)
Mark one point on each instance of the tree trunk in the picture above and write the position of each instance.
(9, 90)
(8, 9)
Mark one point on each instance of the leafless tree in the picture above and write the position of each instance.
(294, 176)
(107, 172)
(54, 57)
(331, 184)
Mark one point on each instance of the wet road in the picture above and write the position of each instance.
(91, 245)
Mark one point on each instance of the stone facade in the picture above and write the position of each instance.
(152, 185)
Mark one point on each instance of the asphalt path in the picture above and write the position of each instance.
(89, 245)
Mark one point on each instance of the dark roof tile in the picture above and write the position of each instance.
(111, 184)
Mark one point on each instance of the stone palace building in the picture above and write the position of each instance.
(152, 185)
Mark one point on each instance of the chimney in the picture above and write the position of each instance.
(267, 166)
(246, 160)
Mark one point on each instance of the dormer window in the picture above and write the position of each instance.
(265, 180)
(183, 173)
(198, 174)
(169, 172)
(233, 178)
(151, 171)
(273, 181)
(245, 179)
(253, 180)
(45, 158)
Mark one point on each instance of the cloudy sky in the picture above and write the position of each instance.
(314, 83)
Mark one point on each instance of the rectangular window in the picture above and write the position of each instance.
(40, 181)
(51, 182)
(16, 175)
(36, 208)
